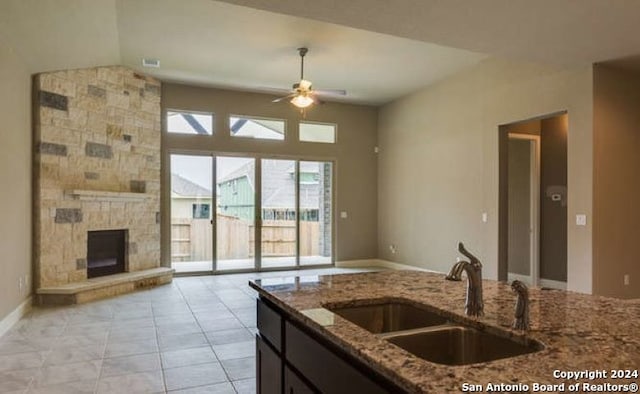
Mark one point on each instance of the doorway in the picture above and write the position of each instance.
(240, 213)
(523, 202)
(533, 201)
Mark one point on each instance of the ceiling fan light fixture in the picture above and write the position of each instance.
(301, 101)
(302, 94)
(304, 85)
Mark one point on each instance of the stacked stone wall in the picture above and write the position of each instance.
(96, 130)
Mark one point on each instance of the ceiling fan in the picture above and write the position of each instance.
(303, 94)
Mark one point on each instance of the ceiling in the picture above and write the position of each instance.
(563, 32)
(212, 43)
(375, 51)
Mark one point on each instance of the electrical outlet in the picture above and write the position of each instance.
(20, 285)
(627, 279)
(393, 249)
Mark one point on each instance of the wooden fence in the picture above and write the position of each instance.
(191, 239)
(279, 238)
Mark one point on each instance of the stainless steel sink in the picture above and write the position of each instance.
(389, 316)
(457, 345)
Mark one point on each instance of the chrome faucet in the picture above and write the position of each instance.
(521, 320)
(474, 306)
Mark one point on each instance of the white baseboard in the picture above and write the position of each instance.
(553, 284)
(13, 317)
(379, 263)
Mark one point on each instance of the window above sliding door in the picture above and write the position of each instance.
(257, 128)
(187, 122)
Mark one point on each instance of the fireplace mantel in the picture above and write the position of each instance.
(101, 195)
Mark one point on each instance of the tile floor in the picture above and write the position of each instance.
(195, 335)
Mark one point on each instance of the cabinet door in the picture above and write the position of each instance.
(268, 369)
(322, 367)
(270, 324)
(294, 385)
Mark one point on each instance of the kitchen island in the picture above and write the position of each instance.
(302, 345)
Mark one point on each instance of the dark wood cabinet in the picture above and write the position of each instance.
(328, 371)
(268, 368)
(293, 384)
(269, 322)
(292, 360)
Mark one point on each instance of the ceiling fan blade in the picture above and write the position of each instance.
(331, 92)
(272, 90)
(283, 98)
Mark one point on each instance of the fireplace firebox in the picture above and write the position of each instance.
(106, 252)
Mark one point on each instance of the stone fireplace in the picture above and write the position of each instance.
(96, 169)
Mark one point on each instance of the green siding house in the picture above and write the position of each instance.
(236, 197)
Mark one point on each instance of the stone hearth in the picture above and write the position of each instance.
(97, 167)
(105, 286)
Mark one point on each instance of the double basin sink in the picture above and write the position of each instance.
(433, 337)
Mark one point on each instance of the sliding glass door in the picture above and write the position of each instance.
(232, 213)
(316, 212)
(191, 213)
(279, 235)
(235, 213)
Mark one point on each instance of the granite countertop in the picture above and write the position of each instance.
(580, 332)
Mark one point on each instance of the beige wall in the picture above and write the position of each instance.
(616, 181)
(438, 165)
(356, 161)
(15, 178)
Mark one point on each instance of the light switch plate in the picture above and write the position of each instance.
(343, 215)
(485, 217)
(581, 220)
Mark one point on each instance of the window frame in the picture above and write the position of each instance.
(188, 111)
(252, 117)
(335, 132)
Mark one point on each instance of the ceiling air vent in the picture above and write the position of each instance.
(155, 63)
